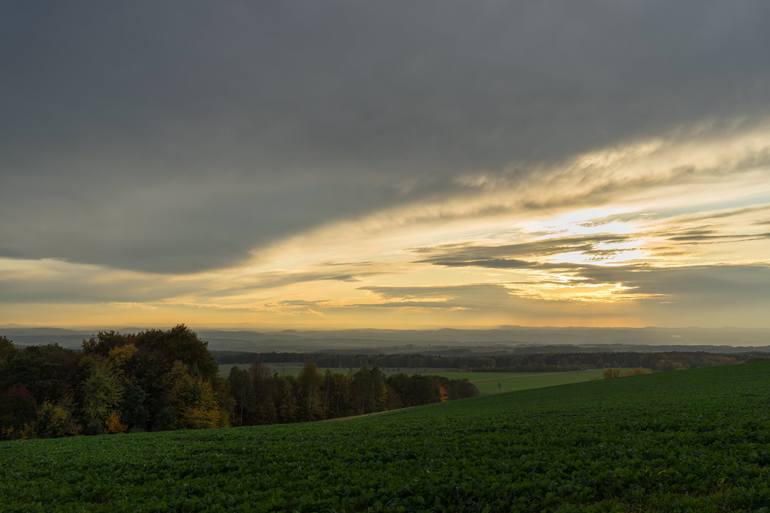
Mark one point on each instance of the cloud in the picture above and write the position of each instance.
(272, 280)
(503, 255)
(179, 137)
(52, 281)
(711, 285)
(476, 296)
(727, 286)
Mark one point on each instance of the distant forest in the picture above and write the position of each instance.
(522, 362)
(161, 380)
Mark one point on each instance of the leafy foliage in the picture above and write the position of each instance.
(162, 380)
(54, 420)
(149, 380)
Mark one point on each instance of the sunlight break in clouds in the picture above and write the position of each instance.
(610, 248)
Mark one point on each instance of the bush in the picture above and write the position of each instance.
(113, 423)
(55, 420)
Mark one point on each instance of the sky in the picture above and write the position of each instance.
(399, 164)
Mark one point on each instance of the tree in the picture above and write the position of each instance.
(114, 424)
(101, 393)
(180, 344)
(461, 388)
(49, 372)
(242, 391)
(284, 392)
(192, 400)
(132, 407)
(414, 390)
(7, 350)
(337, 395)
(18, 412)
(368, 390)
(264, 397)
(310, 400)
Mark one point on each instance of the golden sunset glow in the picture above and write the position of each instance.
(535, 167)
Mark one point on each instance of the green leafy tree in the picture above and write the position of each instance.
(264, 396)
(338, 401)
(369, 390)
(310, 400)
(101, 393)
(242, 390)
(7, 350)
(192, 399)
(49, 372)
(286, 400)
(133, 410)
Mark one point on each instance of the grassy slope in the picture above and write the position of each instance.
(684, 441)
(497, 382)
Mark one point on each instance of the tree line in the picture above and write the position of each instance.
(160, 380)
(507, 362)
(263, 397)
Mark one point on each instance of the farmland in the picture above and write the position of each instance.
(487, 382)
(498, 382)
(696, 440)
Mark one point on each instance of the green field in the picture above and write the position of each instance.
(497, 382)
(486, 382)
(695, 440)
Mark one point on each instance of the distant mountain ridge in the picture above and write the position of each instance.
(485, 340)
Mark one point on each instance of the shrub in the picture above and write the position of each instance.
(113, 423)
(55, 420)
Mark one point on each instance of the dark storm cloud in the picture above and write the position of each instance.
(703, 237)
(704, 285)
(176, 136)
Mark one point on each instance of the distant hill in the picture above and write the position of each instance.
(403, 341)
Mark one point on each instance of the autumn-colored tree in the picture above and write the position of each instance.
(441, 389)
(121, 356)
(113, 423)
(54, 420)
